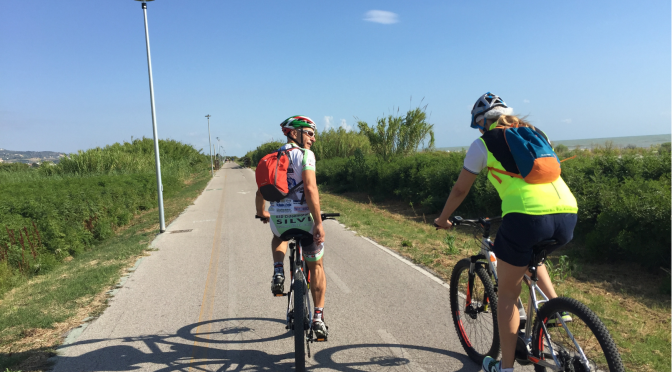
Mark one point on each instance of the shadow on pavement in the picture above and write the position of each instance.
(232, 347)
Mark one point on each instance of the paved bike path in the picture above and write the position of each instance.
(202, 302)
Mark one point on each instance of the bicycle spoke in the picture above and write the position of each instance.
(473, 314)
(579, 342)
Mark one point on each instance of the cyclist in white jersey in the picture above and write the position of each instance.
(303, 208)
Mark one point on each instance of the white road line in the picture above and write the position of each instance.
(335, 279)
(409, 263)
(398, 351)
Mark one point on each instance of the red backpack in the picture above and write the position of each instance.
(271, 175)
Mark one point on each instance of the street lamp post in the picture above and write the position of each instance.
(159, 185)
(212, 168)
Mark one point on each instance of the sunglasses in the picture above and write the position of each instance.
(309, 133)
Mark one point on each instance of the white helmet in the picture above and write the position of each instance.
(488, 106)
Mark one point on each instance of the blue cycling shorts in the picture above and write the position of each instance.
(520, 232)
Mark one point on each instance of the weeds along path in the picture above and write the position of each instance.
(202, 301)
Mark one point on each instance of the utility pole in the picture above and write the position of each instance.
(212, 168)
(159, 185)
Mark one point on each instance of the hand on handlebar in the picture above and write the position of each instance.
(265, 217)
(318, 234)
(442, 224)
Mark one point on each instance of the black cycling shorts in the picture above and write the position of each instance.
(519, 233)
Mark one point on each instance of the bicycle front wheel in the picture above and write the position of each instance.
(583, 344)
(299, 325)
(473, 305)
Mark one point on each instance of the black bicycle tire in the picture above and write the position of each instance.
(586, 315)
(299, 331)
(463, 267)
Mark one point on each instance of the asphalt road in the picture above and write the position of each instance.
(202, 302)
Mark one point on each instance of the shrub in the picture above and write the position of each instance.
(261, 151)
(561, 149)
(399, 135)
(623, 198)
(339, 143)
(50, 213)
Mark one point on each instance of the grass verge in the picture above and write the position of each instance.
(626, 297)
(36, 315)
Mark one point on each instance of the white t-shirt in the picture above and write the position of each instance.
(290, 213)
(476, 158)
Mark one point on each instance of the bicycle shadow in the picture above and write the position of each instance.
(236, 348)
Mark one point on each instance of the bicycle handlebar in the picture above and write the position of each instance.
(325, 216)
(457, 220)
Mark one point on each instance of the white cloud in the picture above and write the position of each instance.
(345, 125)
(568, 121)
(328, 122)
(526, 101)
(381, 16)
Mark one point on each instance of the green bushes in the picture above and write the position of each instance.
(262, 151)
(339, 143)
(56, 211)
(623, 196)
(399, 135)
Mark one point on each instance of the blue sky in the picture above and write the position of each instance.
(73, 74)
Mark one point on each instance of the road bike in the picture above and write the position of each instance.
(565, 335)
(299, 304)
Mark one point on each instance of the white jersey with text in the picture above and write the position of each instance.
(292, 212)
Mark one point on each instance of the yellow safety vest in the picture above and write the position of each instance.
(519, 196)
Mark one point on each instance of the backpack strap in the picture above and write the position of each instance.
(493, 170)
(286, 151)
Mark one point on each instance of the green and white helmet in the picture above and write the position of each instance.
(296, 122)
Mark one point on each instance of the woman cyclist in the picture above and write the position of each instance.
(531, 213)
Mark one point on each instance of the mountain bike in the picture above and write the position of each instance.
(565, 335)
(299, 299)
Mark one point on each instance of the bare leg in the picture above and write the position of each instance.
(279, 249)
(318, 282)
(510, 279)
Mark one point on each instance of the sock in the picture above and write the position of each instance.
(278, 268)
(318, 313)
(504, 369)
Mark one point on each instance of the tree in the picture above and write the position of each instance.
(399, 135)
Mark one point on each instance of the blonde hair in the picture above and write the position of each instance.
(511, 121)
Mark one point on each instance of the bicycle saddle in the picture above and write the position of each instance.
(539, 251)
(295, 234)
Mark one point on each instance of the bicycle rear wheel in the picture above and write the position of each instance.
(474, 310)
(299, 325)
(585, 334)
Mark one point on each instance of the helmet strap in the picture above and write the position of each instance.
(479, 126)
(297, 141)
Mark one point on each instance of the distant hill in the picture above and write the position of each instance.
(637, 141)
(29, 157)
